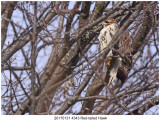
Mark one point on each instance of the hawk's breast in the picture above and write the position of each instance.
(106, 35)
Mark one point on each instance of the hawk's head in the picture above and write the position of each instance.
(108, 21)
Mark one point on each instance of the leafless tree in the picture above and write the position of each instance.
(50, 61)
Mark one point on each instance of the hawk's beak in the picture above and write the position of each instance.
(103, 23)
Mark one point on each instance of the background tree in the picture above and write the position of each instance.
(51, 64)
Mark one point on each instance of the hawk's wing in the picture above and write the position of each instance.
(125, 48)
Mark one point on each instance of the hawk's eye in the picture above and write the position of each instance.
(107, 21)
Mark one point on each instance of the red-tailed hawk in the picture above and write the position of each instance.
(114, 66)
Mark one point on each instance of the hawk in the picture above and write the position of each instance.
(115, 66)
